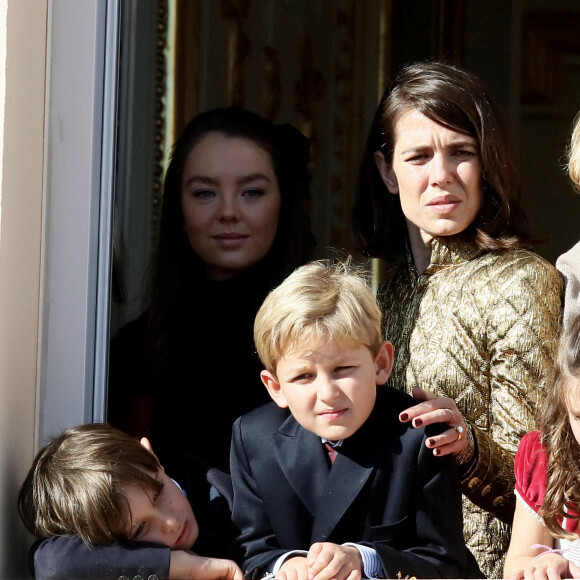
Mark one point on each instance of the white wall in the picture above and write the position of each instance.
(22, 91)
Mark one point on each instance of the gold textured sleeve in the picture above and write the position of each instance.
(523, 325)
(489, 480)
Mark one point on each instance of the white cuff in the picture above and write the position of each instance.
(372, 565)
(284, 557)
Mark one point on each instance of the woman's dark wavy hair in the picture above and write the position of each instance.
(563, 487)
(457, 100)
(176, 266)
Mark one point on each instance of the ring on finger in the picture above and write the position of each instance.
(451, 415)
(459, 430)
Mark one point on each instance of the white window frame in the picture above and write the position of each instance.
(77, 213)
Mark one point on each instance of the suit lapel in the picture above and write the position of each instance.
(301, 457)
(354, 465)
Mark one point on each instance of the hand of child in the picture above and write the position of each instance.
(433, 409)
(549, 566)
(187, 565)
(327, 560)
(295, 568)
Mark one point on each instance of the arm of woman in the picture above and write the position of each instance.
(522, 326)
(522, 322)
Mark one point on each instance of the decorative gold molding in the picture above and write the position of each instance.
(236, 13)
(186, 52)
(384, 48)
(159, 104)
(344, 79)
(273, 93)
(308, 91)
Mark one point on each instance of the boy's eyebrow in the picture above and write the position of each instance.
(299, 366)
(158, 492)
(125, 525)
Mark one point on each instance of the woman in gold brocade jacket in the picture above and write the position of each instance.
(473, 314)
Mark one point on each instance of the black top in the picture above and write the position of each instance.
(211, 375)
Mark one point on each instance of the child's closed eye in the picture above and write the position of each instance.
(139, 531)
(303, 377)
(344, 370)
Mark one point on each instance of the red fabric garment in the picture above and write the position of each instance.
(531, 473)
(530, 468)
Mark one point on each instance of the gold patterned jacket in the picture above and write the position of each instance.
(480, 327)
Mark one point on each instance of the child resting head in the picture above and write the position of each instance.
(96, 482)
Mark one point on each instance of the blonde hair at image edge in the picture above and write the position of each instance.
(574, 157)
(323, 301)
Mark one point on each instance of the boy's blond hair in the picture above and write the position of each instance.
(76, 484)
(574, 154)
(320, 302)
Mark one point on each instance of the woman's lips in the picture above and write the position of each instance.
(230, 240)
(444, 204)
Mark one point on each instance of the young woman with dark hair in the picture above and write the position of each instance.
(473, 314)
(234, 223)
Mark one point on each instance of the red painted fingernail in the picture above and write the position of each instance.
(404, 416)
(436, 452)
(430, 442)
(418, 422)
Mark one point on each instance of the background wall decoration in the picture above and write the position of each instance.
(319, 65)
(322, 65)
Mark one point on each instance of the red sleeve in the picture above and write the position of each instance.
(530, 467)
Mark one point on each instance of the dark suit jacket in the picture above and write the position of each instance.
(385, 490)
(208, 490)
